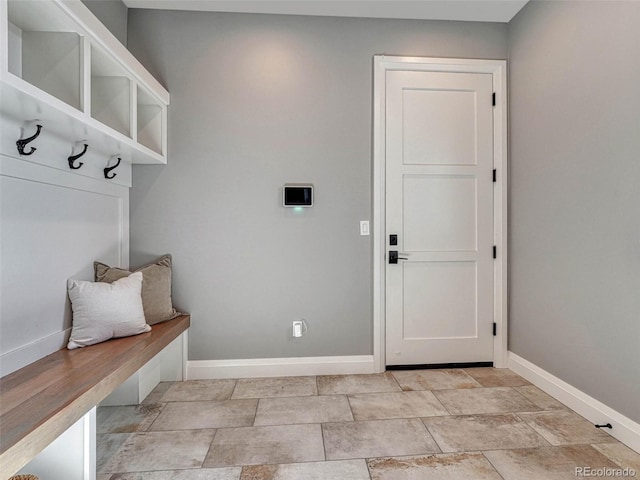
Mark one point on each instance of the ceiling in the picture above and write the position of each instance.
(464, 10)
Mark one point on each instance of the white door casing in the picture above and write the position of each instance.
(438, 197)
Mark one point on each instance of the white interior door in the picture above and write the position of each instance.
(439, 204)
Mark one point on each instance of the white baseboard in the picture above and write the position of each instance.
(18, 358)
(624, 429)
(279, 367)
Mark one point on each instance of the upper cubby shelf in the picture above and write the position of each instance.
(60, 67)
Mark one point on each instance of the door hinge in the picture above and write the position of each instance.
(495, 329)
(495, 252)
(493, 99)
(495, 175)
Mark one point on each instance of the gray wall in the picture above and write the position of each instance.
(575, 195)
(113, 14)
(259, 101)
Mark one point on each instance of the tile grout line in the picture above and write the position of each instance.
(148, 429)
(324, 444)
(471, 377)
(395, 380)
(430, 435)
(206, 455)
(383, 419)
(492, 465)
(366, 463)
(527, 398)
(440, 402)
(353, 415)
(533, 429)
(255, 413)
(233, 390)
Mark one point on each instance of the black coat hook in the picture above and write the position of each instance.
(24, 141)
(107, 170)
(73, 158)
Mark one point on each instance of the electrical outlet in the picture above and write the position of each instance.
(297, 328)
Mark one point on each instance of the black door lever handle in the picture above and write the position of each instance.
(393, 257)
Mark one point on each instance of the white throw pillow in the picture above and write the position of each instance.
(102, 311)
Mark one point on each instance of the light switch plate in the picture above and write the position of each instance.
(364, 227)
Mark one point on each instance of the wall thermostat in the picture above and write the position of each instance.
(297, 195)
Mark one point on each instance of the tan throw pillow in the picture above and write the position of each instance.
(104, 311)
(156, 287)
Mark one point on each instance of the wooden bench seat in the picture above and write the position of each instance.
(42, 400)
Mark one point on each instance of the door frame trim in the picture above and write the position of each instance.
(498, 70)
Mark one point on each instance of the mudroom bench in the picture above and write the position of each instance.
(48, 408)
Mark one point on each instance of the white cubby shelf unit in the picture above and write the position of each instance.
(61, 68)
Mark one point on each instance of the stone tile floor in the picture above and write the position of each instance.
(479, 423)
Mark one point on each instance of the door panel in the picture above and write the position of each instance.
(426, 225)
(440, 300)
(437, 112)
(439, 161)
